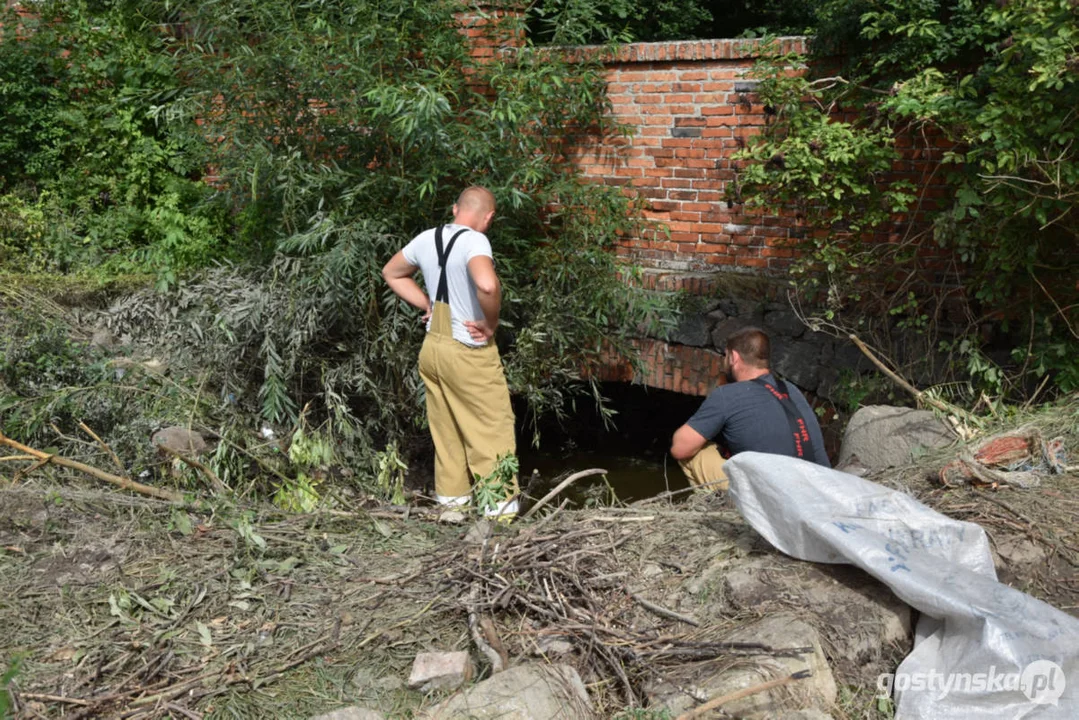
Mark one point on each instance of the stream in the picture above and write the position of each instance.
(634, 452)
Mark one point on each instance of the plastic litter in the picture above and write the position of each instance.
(1018, 458)
(981, 649)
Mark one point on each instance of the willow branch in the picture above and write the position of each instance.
(121, 482)
(918, 394)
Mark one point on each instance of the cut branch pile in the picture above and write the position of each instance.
(570, 583)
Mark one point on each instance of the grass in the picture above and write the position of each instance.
(104, 599)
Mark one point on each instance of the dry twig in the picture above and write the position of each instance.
(562, 486)
(739, 694)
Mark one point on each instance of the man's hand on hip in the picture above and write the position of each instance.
(479, 330)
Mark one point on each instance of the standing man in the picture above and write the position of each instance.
(468, 402)
(754, 411)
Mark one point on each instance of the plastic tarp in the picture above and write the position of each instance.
(981, 648)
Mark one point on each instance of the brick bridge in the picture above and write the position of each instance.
(691, 105)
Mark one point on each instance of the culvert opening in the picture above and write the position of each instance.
(634, 450)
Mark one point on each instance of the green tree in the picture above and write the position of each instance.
(337, 131)
(995, 83)
(84, 146)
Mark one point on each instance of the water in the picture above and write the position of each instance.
(629, 478)
(634, 452)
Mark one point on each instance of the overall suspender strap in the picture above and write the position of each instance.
(442, 293)
(803, 446)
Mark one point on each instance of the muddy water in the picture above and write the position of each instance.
(629, 478)
(634, 452)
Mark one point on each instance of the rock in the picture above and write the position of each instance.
(1016, 550)
(862, 619)
(694, 330)
(854, 467)
(883, 436)
(849, 357)
(102, 339)
(524, 692)
(778, 632)
(716, 316)
(783, 322)
(354, 712)
(452, 517)
(479, 532)
(179, 439)
(724, 329)
(797, 361)
(442, 670)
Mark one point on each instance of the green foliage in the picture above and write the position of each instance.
(853, 390)
(82, 90)
(499, 485)
(347, 147)
(311, 454)
(390, 472)
(575, 22)
(335, 131)
(46, 381)
(994, 86)
(5, 683)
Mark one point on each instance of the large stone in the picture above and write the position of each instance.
(693, 330)
(797, 361)
(881, 436)
(524, 692)
(351, 713)
(849, 357)
(724, 329)
(863, 621)
(778, 632)
(179, 439)
(1018, 551)
(440, 670)
(783, 322)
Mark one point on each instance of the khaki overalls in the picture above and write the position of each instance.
(468, 402)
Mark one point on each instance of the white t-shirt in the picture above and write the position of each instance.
(464, 304)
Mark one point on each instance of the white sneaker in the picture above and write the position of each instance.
(451, 501)
(504, 511)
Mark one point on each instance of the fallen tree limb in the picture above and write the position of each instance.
(215, 481)
(739, 694)
(560, 487)
(121, 482)
(101, 443)
(485, 635)
(918, 394)
(663, 612)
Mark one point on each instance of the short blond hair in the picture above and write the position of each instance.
(476, 199)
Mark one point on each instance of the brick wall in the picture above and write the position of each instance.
(691, 106)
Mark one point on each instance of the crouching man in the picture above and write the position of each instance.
(754, 411)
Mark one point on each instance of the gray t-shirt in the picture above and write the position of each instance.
(745, 416)
(464, 305)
